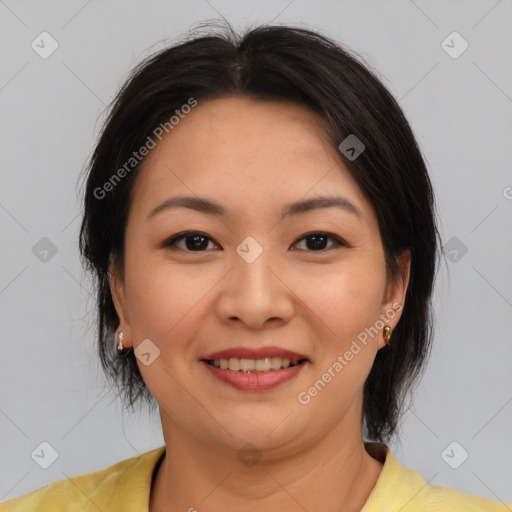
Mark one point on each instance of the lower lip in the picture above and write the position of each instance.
(255, 381)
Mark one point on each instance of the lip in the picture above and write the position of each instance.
(254, 353)
(255, 381)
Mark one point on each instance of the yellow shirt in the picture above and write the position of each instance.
(125, 487)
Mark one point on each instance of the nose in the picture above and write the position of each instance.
(255, 291)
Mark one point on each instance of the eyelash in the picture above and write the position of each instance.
(185, 234)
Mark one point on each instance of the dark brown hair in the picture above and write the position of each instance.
(276, 63)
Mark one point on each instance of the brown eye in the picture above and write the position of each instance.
(198, 242)
(194, 241)
(317, 241)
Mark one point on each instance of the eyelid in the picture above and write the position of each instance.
(339, 242)
(170, 242)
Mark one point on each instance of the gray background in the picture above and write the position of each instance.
(52, 388)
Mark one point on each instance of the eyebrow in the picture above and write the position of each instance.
(210, 207)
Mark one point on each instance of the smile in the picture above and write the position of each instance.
(263, 365)
(254, 374)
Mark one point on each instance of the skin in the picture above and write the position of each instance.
(254, 157)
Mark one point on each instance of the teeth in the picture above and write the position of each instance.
(248, 365)
(254, 365)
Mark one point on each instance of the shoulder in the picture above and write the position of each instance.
(444, 499)
(401, 488)
(128, 480)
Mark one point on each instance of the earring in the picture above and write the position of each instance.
(387, 334)
(120, 344)
(121, 352)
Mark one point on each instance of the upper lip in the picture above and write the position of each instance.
(254, 353)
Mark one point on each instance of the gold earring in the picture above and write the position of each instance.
(120, 344)
(387, 334)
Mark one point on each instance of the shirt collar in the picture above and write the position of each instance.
(395, 487)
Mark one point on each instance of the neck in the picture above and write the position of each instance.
(194, 476)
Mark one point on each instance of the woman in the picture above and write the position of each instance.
(262, 228)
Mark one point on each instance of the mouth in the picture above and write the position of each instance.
(260, 365)
(255, 375)
(255, 360)
(255, 369)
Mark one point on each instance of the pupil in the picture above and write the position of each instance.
(194, 245)
(199, 242)
(315, 244)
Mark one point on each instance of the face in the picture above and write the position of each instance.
(312, 281)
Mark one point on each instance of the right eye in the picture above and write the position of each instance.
(197, 241)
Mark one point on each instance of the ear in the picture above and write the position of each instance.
(396, 289)
(117, 290)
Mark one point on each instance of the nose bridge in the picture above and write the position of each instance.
(255, 294)
(253, 257)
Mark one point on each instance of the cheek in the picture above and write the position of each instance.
(149, 306)
(345, 301)
(165, 298)
(165, 304)
(343, 308)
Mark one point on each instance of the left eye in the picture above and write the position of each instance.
(318, 238)
(199, 241)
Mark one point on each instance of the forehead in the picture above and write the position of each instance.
(242, 150)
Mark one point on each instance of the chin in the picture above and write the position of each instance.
(264, 435)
